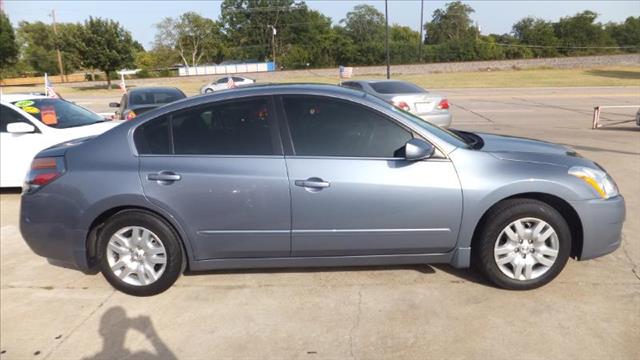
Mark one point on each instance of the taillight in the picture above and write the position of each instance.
(43, 171)
(402, 105)
(131, 115)
(443, 105)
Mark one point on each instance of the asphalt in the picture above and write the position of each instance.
(591, 311)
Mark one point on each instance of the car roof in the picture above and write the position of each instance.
(150, 89)
(18, 97)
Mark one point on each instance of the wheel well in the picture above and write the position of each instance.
(98, 223)
(563, 207)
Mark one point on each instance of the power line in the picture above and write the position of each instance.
(265, 9)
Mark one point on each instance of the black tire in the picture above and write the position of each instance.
(497, 219)
(208, 91)
(175, 259)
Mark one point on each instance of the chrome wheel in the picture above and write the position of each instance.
(526, 249)
(136, 255)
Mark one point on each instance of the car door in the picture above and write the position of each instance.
(353, 192)
(16, 150)
(218, 168)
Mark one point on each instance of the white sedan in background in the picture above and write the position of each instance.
(30, 123)
(223, 83)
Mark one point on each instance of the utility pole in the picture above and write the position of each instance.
(386, 42)
(55, 32)
(421, 28)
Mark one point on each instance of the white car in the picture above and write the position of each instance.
(31, 123)
(223, 83)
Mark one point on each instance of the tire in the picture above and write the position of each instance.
(526, 262)
(208, 91)
(135, 262)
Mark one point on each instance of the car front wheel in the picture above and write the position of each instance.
(139, 253)
(523, 245)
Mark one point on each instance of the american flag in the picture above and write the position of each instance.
(123, 86)
(230, 83)
(345, 72)
(48, 88)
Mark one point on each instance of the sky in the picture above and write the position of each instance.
(139, 17)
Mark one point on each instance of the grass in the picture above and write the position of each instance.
(542, 77)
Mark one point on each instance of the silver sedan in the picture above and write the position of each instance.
(431, 107)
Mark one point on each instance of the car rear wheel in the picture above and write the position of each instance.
(523, 245)
(139, 253)
(208, 91)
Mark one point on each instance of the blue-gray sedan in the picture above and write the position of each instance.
(312, 175)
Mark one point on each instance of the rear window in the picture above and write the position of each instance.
(151, 97)
(58, 113)
(396, 87)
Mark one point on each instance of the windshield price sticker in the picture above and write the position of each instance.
(31, 109)
(24, 103)
(49, 116)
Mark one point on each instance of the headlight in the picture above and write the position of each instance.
(599, 180)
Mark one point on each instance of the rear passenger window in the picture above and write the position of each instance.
(153, 137)
(238, 127)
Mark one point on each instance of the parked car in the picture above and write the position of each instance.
(409, 97)
(223, 83)
(312, 175)
(30, 123)
(140, 100)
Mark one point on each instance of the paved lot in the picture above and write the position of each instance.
(591, 311)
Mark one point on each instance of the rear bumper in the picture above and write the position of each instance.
(442, 120)
(601, 225)
(48, 226)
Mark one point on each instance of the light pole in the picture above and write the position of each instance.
(421, 28)
(386, 42)
(55, 32)
(273, 44)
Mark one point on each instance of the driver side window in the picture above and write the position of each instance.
(322, 126)
(8, 116)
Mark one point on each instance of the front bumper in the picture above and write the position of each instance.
(601, 225)
(442, 120)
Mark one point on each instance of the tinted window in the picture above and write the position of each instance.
(8, 116)
(396, 87)
(330, 127)
(58, 113)
(237, 79)
(222, 81)
(153, 137)
(352, 85)
(155, 96)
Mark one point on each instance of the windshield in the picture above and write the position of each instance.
(58, 113)
(153, 97)
(444, 134)
(396, 87)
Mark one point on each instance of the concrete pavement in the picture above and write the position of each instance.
(591, 311)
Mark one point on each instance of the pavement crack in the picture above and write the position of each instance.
(356, 323)
(474, 113)
(635, 268)
(80, 324)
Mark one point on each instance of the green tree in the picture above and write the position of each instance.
(104, 45)
(451, 24)
(8, 45)
(626, 33)
(196, 39)
(581, 30)
(539, 34)
(38, 46)
(365, 25)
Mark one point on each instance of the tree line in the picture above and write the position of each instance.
(299, 37)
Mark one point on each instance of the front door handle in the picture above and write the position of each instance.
(164, 177)
(314, 183)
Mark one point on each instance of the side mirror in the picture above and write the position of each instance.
(20, 128)
(114, 105)
(418, 149)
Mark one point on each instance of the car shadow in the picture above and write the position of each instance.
(11, 190)
(617, 74)
(466, 275)
(114, 326)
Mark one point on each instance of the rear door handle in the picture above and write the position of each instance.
(314, 182)
(164, 177)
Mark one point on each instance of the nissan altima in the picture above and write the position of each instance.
(312, 175)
